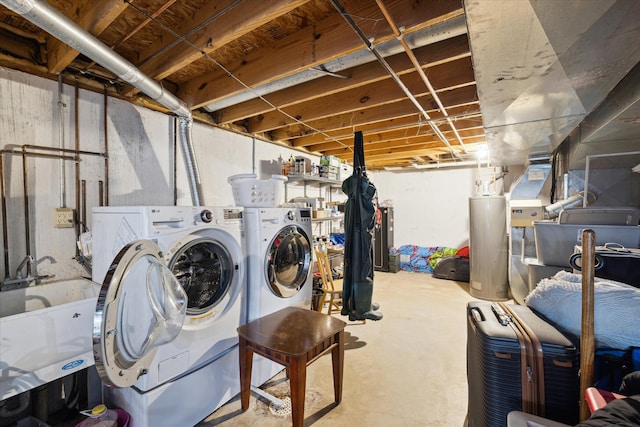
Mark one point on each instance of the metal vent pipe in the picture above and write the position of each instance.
(432, 34)
(58, 25)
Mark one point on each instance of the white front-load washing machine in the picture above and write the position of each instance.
(165, 330)
(278, 247)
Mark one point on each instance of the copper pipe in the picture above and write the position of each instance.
(25, 192)
(100, 193)
(5, 238)
(106, 150)
(63, 170)
(77, 161)
(62, 150)
(418, 68)
(587, 339)
(5, 228)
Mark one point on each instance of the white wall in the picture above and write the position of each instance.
(146, 168)
(431, 207)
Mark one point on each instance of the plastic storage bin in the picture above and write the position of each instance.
(555, 242)
(250, 192)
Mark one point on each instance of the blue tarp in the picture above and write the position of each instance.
(417, 258)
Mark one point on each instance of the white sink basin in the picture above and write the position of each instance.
(45, 333)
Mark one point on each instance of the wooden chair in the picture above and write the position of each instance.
(330, 287)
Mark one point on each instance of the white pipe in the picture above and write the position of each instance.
(554, 209)
(57, 24)
(277, 402)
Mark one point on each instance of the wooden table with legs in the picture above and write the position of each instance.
(293, 337)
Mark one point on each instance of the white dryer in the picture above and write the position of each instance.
(165, 337)
(278, 247)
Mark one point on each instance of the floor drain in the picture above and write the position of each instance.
(282, 410)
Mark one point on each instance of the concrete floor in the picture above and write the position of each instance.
(408, 369)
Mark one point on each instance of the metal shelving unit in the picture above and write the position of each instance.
(310, 180)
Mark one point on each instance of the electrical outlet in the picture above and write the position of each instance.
(64, 218)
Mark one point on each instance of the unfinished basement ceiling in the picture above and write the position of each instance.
(309, 73)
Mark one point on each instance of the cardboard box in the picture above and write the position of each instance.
(330, 161)
(319, 213)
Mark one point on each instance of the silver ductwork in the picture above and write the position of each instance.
(542, 66)
(610, 114)
(432, 34)
(186, 138)
(55, 23)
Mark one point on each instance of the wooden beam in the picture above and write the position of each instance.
(468, 128)
(410, 143)
(430, 56)
(313, 45)
(443, 77)
(407, 122)
(232, 24)
(454, 98)
(92, 15)
(465, 112)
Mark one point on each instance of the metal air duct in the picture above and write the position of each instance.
(55, 23)
(432, 34)
(624, 97)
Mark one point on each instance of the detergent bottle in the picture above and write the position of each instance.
(100, 416)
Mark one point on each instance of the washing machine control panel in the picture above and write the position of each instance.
(216, 216)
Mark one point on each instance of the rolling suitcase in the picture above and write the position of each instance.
(516, 361)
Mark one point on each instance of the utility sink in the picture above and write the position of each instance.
(45, 333)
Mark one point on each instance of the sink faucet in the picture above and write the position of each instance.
(26, 262)
(26, 273)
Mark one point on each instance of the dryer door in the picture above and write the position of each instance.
(140, 307)
(288, 261)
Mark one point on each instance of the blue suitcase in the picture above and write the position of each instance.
(516, 361)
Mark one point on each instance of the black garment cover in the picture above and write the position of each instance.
(358, 251)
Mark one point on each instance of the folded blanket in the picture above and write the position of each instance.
(616, 308)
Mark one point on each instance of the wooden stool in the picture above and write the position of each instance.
(295, 338)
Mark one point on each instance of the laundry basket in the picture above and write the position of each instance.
(250, 192)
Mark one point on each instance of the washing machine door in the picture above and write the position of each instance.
(140, 307)
(288, 261)
(205, 269)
